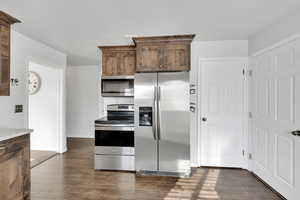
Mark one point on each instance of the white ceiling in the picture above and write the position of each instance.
(77, 27)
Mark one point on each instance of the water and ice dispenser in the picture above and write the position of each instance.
(145, 116)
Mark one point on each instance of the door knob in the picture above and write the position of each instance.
(204, 119)
(296, 133)
(192, 109)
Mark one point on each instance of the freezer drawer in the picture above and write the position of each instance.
(114, 162)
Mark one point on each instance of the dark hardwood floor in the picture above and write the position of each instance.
(71, 177)
(38, 157)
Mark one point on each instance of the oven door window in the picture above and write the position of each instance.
(114, 138)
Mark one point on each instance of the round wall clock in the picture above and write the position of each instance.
(34, 83)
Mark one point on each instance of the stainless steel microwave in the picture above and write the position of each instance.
(117, 86)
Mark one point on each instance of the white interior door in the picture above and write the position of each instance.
(275, 104)
(44, 110)
(222, 112)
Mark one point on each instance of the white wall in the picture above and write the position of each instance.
(44, 113)
(202, 50)
(281, 29)
(23, 50)
(83, 102)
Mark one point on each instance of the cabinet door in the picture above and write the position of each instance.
(149, 58)
(15, 169)
(126, 64)
(4, 40)
(4, 76)
(4, 60)
(11, 177)
(110, 64)
(176, 57)
(12, 180)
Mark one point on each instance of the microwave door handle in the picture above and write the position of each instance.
(154, 113)
(158, 112)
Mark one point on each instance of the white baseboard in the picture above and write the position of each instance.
(194, 164)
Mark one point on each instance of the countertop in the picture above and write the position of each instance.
(9, 133)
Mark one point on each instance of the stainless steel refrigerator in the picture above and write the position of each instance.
(162, 142)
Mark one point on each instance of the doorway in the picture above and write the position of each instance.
(222, 112)
(44, 111)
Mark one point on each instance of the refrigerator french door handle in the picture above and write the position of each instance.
(154, 113)
(158, 112)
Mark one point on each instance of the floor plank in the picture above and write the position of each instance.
(71, 177)
(38, 157)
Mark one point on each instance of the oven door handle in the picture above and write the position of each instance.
(154, 113)
(114, 128)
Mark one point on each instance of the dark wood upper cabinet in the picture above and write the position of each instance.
(163, 53)
(5, 22)
(149, 57)
(118, 60)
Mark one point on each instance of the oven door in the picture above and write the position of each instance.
(114, 136)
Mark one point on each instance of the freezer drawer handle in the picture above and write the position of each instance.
(296, 133)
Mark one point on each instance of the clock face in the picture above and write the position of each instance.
(34, 83)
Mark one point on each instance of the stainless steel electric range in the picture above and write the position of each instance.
(114, 139)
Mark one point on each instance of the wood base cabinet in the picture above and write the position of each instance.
(15, 168)
(163, 53)
(5, 22)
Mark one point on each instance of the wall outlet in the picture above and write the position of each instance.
(18, 108)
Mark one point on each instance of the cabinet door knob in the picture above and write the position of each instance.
(296, 133)
(204, 119)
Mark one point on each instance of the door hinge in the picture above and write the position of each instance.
(250, 115)
(250, 156)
